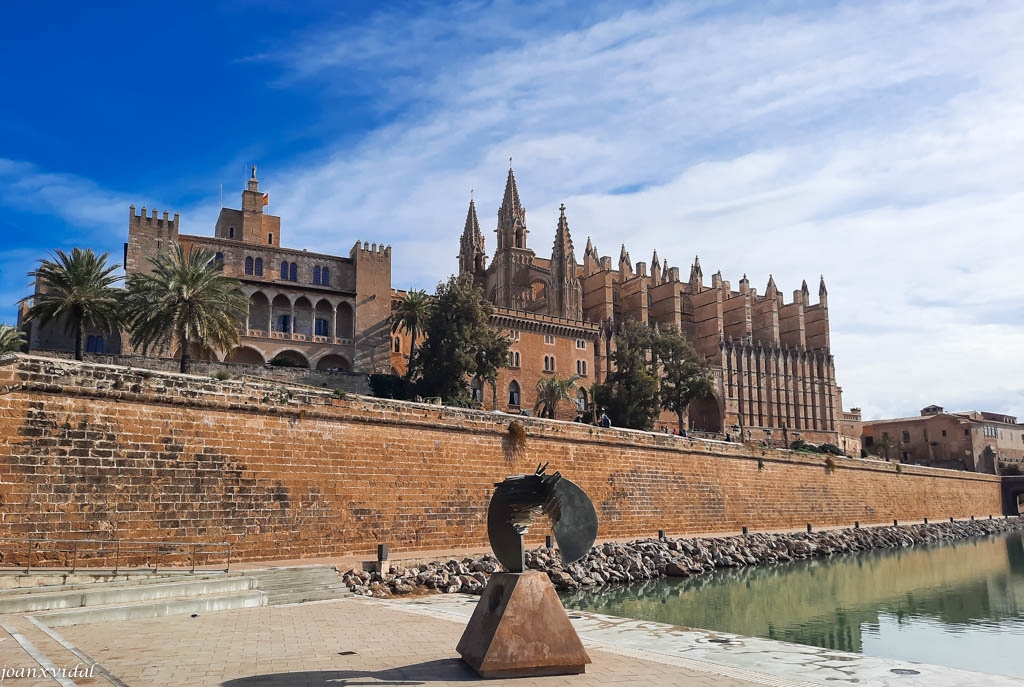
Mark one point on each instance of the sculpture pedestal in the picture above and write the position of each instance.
(521, 629)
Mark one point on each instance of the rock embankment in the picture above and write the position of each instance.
(645, 559)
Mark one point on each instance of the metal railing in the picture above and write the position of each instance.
(122, 552)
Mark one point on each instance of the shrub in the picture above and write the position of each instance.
(831, 448)
(390, 386)
(340, 393)
(1009, 469)
(863, 453)
(516, 435)
(459, 402)
(830, 465)
(899, 468)
(222, 375)
(283, 362)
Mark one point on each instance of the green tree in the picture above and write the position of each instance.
(461, 343)
(629, 394)
(551, 391)
(11, 339)
(684, 375)
(884, 444)
(78, 291)
(411, 317)
(186, 299)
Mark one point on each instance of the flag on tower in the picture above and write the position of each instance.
(266, 199)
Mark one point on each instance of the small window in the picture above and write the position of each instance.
(316, 275)
(219, 257)
(513, 358)
(943, 432)
(270, 239)
(325, 277)
(248, 264)
(967, 432)
(231, 232)
(549, 339)
(293, 272)
(581, 344)
(513, 394)
(284, 270)
(926, 435)
(398, 345)
(549, 363)
(513, 334)
(320, 327)
(906, 436)
(581, 368)
(258, 267)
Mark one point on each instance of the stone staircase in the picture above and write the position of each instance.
(148, 597)
(300, 584)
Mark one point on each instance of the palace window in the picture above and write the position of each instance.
(258, 267)
(581, 344)
(967, 432)
(581, 368)
(284, 270)
(513, 358)
(219, 257)
(248, 265)
(270, 239)
(231, 232)
(549, 339)
(513, 394)
(316, 275)
(513, 335)
(906, 436)
(293, 272)
(94, 344)
(549, 363)
(320, 327)
(325, 277)
(943, 432)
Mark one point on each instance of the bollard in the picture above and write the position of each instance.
(895, 523)
(661, 534)
(745, 530)
(382, 552)
(808, 527)
(972, 517)
(990, 516)
(856, 524)
(926, 521)
(951, 518)
(549, 542)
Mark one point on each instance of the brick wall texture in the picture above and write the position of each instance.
(95, 451)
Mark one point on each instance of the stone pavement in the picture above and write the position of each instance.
(326, 644)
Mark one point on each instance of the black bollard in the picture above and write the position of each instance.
(895, 523)
(972, 517)
(549, 541)
(808, 527)
(926, 521)
(951, 518)
(745, 530)
(856, 524)
(661, 534)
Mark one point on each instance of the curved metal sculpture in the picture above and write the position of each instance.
(521, 498)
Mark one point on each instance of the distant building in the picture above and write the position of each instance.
(967, 440)
(311, 310)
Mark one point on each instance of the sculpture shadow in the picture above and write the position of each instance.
(441, 670)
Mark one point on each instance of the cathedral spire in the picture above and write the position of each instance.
(696, 274)
(656, 273)
(472, 253)
(512, 229)
(563, 241)
(822, 292)
(566, 295)
(510, 203)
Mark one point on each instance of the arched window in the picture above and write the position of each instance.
(231, 232)
(513, 394)
(549, 363)
(581, 400)
(293, 272)
(581, 368)
(316, 275)
(398, 345)
(99, 344)
(219, 257)
(259, 267)
(270, 239)
(90, 344)
(513, 358)
(325, 277)
(284, 270)
(320, 327)
(248, 265)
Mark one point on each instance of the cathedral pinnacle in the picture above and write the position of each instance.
(563, 241)
(510, 203)
(822, 291)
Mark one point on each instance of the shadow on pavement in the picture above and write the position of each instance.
(442, 670)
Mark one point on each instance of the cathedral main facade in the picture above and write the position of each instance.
(774, 373)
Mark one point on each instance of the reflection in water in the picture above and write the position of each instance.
(959, 605)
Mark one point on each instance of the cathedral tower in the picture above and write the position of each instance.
(509, 278)
(566, 298)
(472, 254)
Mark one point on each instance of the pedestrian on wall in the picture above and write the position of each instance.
(605, 421)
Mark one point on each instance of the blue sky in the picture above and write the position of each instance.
(877, 143)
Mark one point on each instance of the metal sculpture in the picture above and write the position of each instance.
(518, 500)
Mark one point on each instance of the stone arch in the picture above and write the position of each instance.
(334, 361)
(323, 318)
(281, 312)
(303, 317)
(705, 414)
(200, 353)
(291, 358)
(345, 321)
(246, 355)
(259, 312)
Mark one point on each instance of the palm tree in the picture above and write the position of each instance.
(11, 339)
(186, 298)
(411, 317)
(76, 289)
(550, 392)
(885, 444)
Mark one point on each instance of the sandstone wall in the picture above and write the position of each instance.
(98, 451)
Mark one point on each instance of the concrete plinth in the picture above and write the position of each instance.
(520, 629)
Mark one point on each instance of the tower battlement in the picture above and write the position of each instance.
(155, 220)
